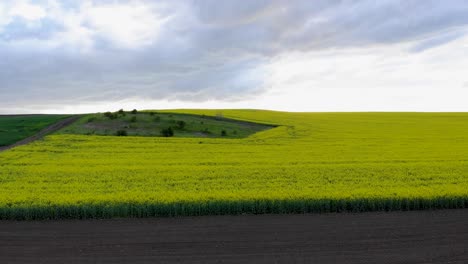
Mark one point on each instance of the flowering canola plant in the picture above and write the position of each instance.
(310, 162)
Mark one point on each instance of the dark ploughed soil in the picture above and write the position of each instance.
(396, 237)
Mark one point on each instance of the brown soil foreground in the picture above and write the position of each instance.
(50, 129)
(395, 237)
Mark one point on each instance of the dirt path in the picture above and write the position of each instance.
(50, 129)
(395, 237)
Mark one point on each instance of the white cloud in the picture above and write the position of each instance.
(28, 11)
(127, 25)
(4, 16)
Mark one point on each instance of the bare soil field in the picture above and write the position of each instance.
(393, 237)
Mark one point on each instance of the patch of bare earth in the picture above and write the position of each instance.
(393, 237)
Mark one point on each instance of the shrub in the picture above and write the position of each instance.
(133, 119)
(157, 119)
(110, 115)
(167, 132)
(181, 124)
(223, 133)
(121, 112)
(134, 111)
(151, 114)
(91, 119)
(121, 133)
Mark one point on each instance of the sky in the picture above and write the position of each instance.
(299, 55)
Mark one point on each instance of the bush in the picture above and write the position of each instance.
(91, 119)
(134, 111)
(121, 112)
(157, 119)
(133, 119)
(151, 113)
(181, 124)
(167, 132)
(223, 133)
(110, 115)
(121, 133)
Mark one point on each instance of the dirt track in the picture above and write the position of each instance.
(397, 237)
(52, 128)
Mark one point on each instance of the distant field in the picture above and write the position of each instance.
(15, 128)
(311, 162)
(152, 124)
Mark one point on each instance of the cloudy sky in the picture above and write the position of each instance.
(86, 56)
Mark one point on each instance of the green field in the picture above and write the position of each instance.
(311, 162)
(152, 124)
(15, 128)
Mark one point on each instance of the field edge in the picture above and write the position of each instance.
(174, 209)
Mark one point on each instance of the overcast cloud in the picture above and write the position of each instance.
(290, 55)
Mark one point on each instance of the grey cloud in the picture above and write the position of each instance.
(212, 49)
(303, 25)
(437, 41)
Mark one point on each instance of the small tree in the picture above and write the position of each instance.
(121, 133)
(133, 119)
(167, 132)
(121, 112)
(134, 111)
(223, 133)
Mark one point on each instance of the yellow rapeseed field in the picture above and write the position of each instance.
(311, 162)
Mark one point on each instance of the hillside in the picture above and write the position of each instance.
(157, 124)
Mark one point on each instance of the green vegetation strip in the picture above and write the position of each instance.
(228, 207)
(311, 162)
(15, 128)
